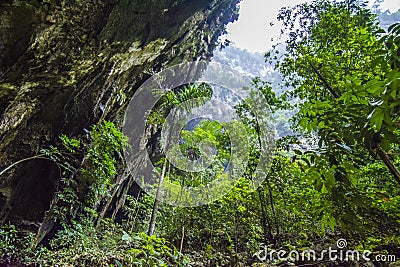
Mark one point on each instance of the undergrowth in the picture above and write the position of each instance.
(82, 244)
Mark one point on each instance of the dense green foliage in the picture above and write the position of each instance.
(85, 245)
(345, 73)
(336, 175)
(84, 183)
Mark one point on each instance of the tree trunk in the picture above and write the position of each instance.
(152, 224)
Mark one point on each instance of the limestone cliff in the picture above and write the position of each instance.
(65, 64)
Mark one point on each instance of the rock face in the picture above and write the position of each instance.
(66, 64)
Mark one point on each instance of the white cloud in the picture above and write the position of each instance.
(392, 5)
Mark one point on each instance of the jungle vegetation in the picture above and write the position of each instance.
(335, 175)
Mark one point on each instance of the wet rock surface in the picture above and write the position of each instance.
(66, 64)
